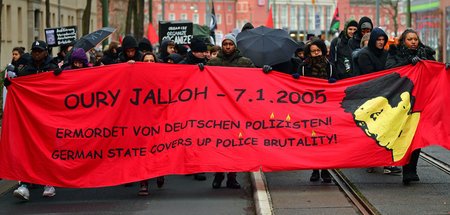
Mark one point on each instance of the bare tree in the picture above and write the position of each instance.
(129, 16)
(394, 12)
(140, 22)
(87, 17)
(47, 13)
(150, 11)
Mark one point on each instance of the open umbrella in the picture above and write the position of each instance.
(90, 41)
(266, 46)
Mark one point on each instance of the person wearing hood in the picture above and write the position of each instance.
(174, 58)
(229, 55)
(181, 50)
(197, 54)
(247, 26)
(145, 45)
(316, 65)
(111, 56)
(409, 50)
(365, 26)
(40, 62)
(78, 60)
(340, 50)
(130, 51)
(372, 58)
(167, 48)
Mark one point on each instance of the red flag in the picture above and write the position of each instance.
(151, 34)
(120, 39)
(144, 120)
(269, 21)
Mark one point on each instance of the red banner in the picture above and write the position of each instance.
(121, 123)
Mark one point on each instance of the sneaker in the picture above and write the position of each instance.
(143, 191)
(49, 191)
(22, 192)
(391, 169)
(315, 176)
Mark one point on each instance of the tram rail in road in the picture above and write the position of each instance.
(352, 193)
(435, 162)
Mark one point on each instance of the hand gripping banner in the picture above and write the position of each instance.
(114, 124)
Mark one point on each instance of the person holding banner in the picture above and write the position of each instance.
(78, 60)
(41, 62)
(409, 50)
(231, 57)
(111, 56)
(316, 65)
(130, 52)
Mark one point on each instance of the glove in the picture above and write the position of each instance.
(6, 82)
(415, 60)
(447, 66)
(201, 66)
(332, 80)
(57, 71)
(296, 75)
(267, 69)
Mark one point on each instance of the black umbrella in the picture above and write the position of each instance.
(90, 41)
(266, 46)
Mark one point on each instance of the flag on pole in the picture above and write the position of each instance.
(151, 34)
(336, 21)
(213, 23)
(269, 21)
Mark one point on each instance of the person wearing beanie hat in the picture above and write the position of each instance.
(145, 45)
(181, 49)
(197, 54)
(247, 26)
(365, 26)
(78, 59)
(130, 51)
(340, 50)
(229, 55)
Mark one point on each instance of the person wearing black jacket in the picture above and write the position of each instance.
(111, 56)
(373, 57)
(365, 26)
(167, 48)
(40, 62)
(340, 49)
(409, 50)
(130, 52)
(197, 54)
(316, 65)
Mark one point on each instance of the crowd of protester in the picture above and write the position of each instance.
(358, 50)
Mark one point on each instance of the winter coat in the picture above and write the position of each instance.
(163, 51)
(175, 57)
(400, 55)
(371, 59)
(192, 60)
(236, 59)
(355, 41)
(124, 58)
(339, 50)
(78, 55)
(109, 57)
(31, 68)
(355, 66)
(307, 69)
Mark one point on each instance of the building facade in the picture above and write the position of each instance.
(23, 22)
